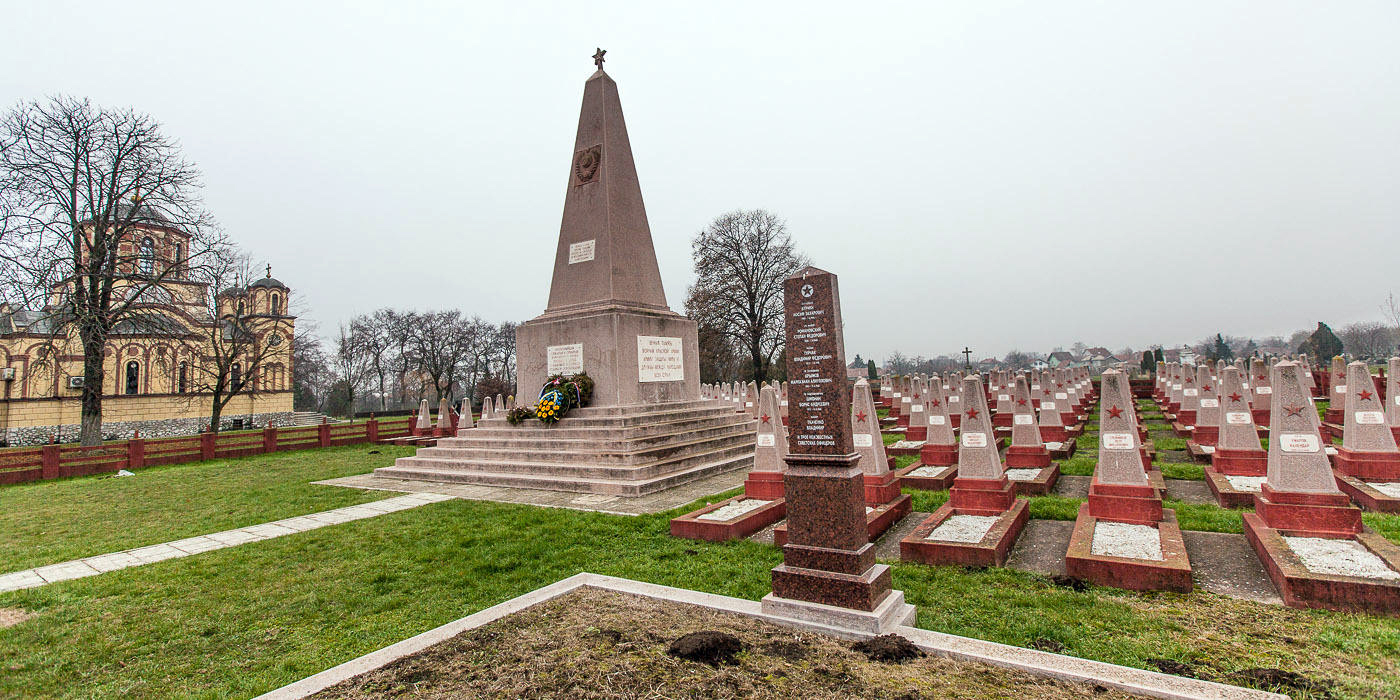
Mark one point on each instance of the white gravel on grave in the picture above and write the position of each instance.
(1127, 540)
(1052, 445)
(1389, 488)
(907, 444)
(1022, 474)
(734, 510)
(963, 528)
(1207, 449)
(1245, 483)
(929, 471)
(1340, 557)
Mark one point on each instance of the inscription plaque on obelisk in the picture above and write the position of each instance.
(828, 559)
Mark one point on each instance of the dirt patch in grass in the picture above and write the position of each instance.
(9, 617)
(599, 644)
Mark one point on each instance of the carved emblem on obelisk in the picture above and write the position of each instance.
(586, 164)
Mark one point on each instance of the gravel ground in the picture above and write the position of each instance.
(929, 471)
(1340, 557)
(963, 528)
(1022, 474)
(734, 510)
(1127, 540)
(1245, 483)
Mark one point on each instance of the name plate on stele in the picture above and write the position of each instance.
(1023, 419)
(564, 359)
(1003, 397)
(1190, 392)
(1237, 418)
(1370, 418)
(582, 251)
(974, 440)
(1047, 405)
(1339, 389)
(863, 440)
(954, 399)
(1061, 396)
(766, 440)
(1298, 442)
(1117, 441)
(937, 420)
(1210, 403)
(1261, 390)
(660, 359)
(916, 408)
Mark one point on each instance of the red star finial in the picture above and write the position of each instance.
(861, 416)
(765, 417)
(1294, 410)
(971, 413)
(1235, 396)
(1365, 395)
(1115, 412)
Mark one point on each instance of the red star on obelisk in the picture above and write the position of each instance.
(861, 416)
(1115, 412)
(1236, 397)
(1365, 395)
(1294, 410)
(765, 417)
(971, 413)
(1020, 402)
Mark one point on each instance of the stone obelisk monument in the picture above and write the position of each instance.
(607, 312)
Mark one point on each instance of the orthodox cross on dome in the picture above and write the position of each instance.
(269, 270)
(967, 357)
(598, 58)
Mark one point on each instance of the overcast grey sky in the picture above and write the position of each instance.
(998, 174)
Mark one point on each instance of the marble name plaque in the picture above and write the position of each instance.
(660, 359)
(564, 359)
(582, 251)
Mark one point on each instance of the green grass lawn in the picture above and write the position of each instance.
(50, 522)
(243, 620)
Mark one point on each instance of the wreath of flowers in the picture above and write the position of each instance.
(557, 397)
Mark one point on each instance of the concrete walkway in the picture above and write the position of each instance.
(102, 563)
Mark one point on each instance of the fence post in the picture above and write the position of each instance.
(206, 445)
(135, 452)
(269, 439)
(49, 460)
(323, 433)
(372, 429)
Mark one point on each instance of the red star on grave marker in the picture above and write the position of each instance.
(1205, 388)
(1365, 395)
(936, 402)
(1294, 410)
(1189, 380)
(1236, 397)
(765, 417)
(1259, 378)
(971, 413)
(1020, 402)
(1059, 385)
(861, 416)
(1115, 412)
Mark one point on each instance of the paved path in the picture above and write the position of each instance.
(597, 502)
(102, 563)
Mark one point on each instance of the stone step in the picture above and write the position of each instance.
(549, 463)
(572, 482)
(577, 418)
(602, 438)
(499, 429)
(622, 455)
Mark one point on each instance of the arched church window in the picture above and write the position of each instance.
(133, 372)
(148, 256)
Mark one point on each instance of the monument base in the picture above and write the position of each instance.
(1301, 587)
(1370, 466)
(1206, 435)
(693, 526)
(1042, 483)
(1027, 457)
(1240, 462)
(890, 614)
(938, 455)
(1171, 573)
(1326, 514)
(916, 433)
(1123, 503)
(1054, 433)
(1227, 494)
(991, 549)
(765, 485)
(1366, 495)
(929, 477)
(878, 519)
(617, 450)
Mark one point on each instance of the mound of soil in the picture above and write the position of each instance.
(706, 646)
(1287, 681)
(889, 648)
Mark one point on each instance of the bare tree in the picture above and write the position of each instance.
(80, 188)
(234, 349)
(311, 373)
(1368, 340)
(351, 367)
(375, 339)
(741, 261)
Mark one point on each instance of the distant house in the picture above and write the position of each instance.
(1039, 364)
(1060, 360)
(858, 369)
(1099, 358)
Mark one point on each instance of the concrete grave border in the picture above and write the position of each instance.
(1041, 663)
